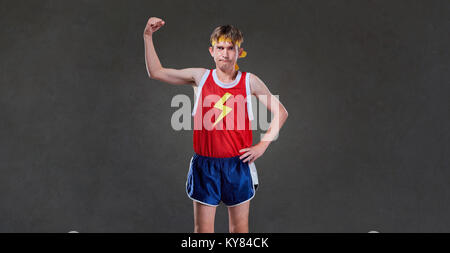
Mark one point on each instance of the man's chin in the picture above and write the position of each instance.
(224, 67)
(225, 64)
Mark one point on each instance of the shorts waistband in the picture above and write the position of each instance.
(217, 158)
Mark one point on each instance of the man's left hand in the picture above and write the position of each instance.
(254, 152)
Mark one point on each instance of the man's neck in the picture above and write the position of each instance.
(226, 76)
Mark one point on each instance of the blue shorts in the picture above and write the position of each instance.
(211, 180)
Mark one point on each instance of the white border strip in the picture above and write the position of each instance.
(226, 85)
(249, 96)
(199, 90)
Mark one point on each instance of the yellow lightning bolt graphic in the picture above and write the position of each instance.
(220, 105)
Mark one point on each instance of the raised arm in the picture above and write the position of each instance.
(156, 71)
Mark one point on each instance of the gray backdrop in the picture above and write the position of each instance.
(86, 142)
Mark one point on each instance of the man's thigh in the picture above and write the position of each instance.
(203, 214)
(239, 214)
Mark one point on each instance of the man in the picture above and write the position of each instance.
(222, 168)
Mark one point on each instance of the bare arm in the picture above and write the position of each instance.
(156, 71)
(260, 90)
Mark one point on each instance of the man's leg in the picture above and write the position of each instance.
(203, 218)
(238, 218)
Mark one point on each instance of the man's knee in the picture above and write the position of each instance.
(241, 227)
(204, 228)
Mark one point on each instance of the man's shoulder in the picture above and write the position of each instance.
(254, 78)
(198, 74)
(199, 71)
(256, 84)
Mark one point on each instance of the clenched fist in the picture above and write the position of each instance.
(153, 24)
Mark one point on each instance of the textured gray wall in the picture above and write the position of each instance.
(86, 142)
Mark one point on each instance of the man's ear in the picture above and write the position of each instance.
(240, 51)
(211, 51)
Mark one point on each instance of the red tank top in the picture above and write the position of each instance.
(222, 115)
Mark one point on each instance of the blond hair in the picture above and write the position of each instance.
(227, 33)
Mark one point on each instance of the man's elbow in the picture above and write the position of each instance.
(284, 115)
(155, 74)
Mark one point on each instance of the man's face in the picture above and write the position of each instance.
(225, 54)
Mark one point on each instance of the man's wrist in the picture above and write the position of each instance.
(265, 143)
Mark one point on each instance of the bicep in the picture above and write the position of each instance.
(189, 76)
